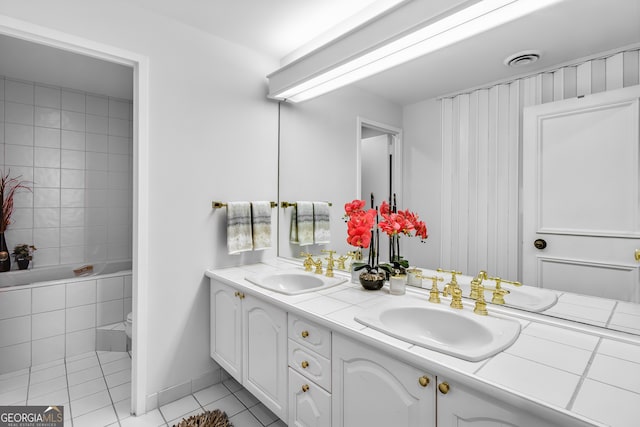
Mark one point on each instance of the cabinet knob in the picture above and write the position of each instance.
(305, 334)
(305, 388)
(443, 387)
(423, 380)
(304, 364)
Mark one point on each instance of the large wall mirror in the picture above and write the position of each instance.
(459, 111)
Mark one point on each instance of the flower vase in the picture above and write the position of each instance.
(5, 259)
(23, 263)
(372, 281)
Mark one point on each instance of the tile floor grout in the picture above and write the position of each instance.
(89, 383)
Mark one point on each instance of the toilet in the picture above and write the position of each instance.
(128, 323)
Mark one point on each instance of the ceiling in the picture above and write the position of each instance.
(570, 30)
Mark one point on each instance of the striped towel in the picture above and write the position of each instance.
(239, 227)
(302, 224)
(321, 223)
(261, 224)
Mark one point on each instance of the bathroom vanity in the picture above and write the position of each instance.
(307, 359)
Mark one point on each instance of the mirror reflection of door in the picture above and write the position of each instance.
(581, 195)
(379, 166)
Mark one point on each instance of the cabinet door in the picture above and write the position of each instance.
(464, 407)
(264, 340)
(373, 389)
(226, 332)
(309, 404)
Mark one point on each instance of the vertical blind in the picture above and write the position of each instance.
(482, 162)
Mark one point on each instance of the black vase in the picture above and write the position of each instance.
(23, 263)
(5, 259)
(372, 281)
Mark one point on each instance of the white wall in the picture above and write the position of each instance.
(213, 136)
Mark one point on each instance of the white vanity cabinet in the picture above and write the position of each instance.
(373, 389)
(249, 340)
(309, 374)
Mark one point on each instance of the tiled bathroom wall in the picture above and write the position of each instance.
(76, 148)
(39, 324)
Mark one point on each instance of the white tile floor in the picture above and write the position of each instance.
(95, 390)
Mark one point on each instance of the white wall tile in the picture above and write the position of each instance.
(72, 217)
(97, 124)
(128, 286)
(71, 236)
(98, 105)
(47, 137)
(47, 157)
(80, 342)
(72, 255)
(97, 161)
(46, 96)
(96, 252)
(46, 238)
(46, 197)
(72, 140)
(19, 235)
(46, 257)
(81, 317)
(47, 324)
(73, 101)
(15, 330)
(97, 143)
(14, 303)
(15, 357)
(119, 127)
(73, 121)
(22, 218)
(119, 145)
(119, 163)
(72, 178)
(96, 198)
(47, 349)
(119, 180)
(2, 88)
(110, 288)
(96, 179)
(110, 312)
(18, 155)
(119, 109)
(47, 117)
(18, 91)
(72, 159)
(18, 134)
(95, 217)
(18, 113)
(81, 293)
(48, 298)
(97, 234)
(128, 306)
(22, 199)
(46, 177)
(71, 198)
(46, 217)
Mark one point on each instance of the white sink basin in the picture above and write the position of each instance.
(292, 282)
(459, 333)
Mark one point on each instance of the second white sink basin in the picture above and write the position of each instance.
(459, 333)
(292, 282)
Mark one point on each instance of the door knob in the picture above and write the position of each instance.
(443, 387)
(540, 243)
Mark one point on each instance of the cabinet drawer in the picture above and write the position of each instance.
(309, 404)
(310, 364)
(310, 335)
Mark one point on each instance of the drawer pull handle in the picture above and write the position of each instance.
(304, 364)
(444, 388)
(305, 334)
(239, 295)
(423, 380)
(305, 388)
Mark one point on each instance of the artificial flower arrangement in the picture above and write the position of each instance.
(8, 188)
(363, 231)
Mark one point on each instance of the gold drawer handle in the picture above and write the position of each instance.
(304, 364)
(305, 334)
(305, 388)
(239, 295)
(444, 388)
(423, 380)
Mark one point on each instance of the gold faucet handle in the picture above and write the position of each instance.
(308, 262)
(481, 305)
(341, 260)
(498, 295)
(434, 294)
(318, 264)
(327, 251)
(456, 299)
(499, 281)
(454, 280)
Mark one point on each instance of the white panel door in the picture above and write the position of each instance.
(581, 195)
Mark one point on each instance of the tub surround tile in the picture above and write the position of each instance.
(46, 96)
(98, 105)
(17, 134)
(47, 117)
(80, 317)
(48, 324)
(18, 155)
(110, 289)
(80, 342)
(73, 101)
(18, 113)
(47, 298)
(46, 138)
(15, 330)
(18, 91)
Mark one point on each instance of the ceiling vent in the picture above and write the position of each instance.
(521, 59)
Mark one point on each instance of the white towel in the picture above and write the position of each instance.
(321, 223)
(239, 237)
(302, 224)
(261, 225)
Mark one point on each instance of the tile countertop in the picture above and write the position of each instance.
(584, 372)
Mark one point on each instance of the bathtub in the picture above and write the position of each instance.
(59, 272)
(49, 313)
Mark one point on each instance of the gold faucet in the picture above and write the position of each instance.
(330, 262)
(481, 305)
(308, 262)
(434, 294)
(475, 282)
(318, 265)
(341, 259)
(452, 285)
(498, 292)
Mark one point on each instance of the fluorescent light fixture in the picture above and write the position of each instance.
(479, 17)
